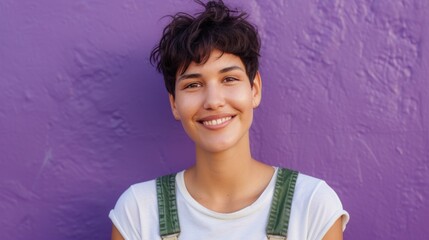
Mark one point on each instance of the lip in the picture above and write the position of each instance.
(214, 122)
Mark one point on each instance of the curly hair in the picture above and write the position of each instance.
(190, 38)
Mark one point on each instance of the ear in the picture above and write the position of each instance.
(257, 90)
(173, 107)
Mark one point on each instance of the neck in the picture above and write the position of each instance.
(224, 167)
(228, 180)
(223, 173)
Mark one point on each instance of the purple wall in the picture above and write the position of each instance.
(83, 114)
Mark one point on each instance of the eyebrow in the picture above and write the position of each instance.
(224, 70)
(197, 75)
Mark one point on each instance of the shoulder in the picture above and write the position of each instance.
(316, 203)
(315, 193)
(135, 205)
(309, 185)
(143, 192)
(137, 193)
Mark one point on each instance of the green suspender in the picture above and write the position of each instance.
(278, 221)
(169, 226)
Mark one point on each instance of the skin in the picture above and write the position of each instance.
(336, 231)
(116, 235)
(213, 90)
(225, 177)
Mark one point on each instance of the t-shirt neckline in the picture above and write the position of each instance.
(261, 201)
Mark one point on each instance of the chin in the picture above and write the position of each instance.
(218, 147)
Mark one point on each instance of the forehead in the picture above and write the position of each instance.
(216, 61)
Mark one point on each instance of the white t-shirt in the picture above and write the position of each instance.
(315, 208)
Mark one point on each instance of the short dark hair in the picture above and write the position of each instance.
(192, 38)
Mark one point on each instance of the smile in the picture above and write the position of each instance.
(216, 122)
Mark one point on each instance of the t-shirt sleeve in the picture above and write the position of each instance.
(125, 215)
(325, 209)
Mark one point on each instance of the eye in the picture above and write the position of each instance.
(192, 85)
(230, 79)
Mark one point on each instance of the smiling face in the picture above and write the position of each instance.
(215, 101)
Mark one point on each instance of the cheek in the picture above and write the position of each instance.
(241, 97)
(186, 107)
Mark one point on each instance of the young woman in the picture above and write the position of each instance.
(210, 67)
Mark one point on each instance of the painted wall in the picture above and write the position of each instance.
(83, 114)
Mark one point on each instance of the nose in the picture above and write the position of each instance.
(214, 98)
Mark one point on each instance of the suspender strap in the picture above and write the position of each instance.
(278, 221)
(169, 226)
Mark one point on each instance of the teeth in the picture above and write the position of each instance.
(216, 121)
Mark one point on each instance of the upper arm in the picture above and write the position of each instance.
(328, 218)
(336, 231)
(116, 235)
(135, 212)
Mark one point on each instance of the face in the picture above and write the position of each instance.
(215, 102)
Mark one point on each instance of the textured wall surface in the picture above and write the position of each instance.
(83, 114)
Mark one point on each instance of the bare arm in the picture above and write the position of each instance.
(116, 235)
(335, 232)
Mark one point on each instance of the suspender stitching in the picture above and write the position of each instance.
(274, 204)
(167, 206)
(173, 204)
(281, 204)
(278, 221)
(288, 200)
